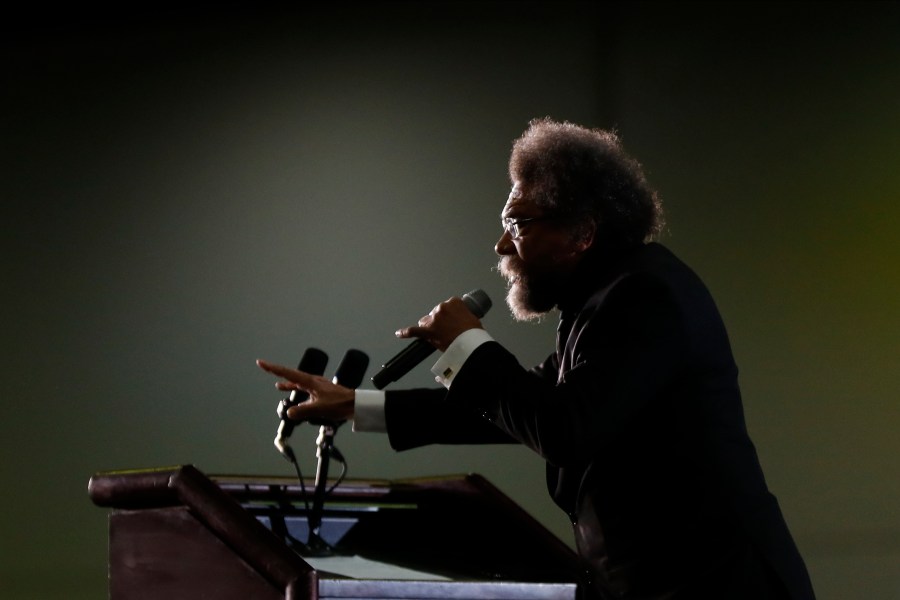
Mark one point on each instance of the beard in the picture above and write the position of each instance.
(531, 292)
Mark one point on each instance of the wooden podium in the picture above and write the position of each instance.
(177, 533)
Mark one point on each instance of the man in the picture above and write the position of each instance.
(637, 413)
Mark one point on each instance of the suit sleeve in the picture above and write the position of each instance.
(627, 350)
(419, 417)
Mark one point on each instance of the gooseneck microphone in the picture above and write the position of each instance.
(478, 304)
(312, 362)
(349, 374)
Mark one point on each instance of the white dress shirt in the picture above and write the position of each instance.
(369, 404)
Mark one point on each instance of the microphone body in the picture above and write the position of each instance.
(478, 304)
(313, 362)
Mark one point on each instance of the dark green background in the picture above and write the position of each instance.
(186, 191)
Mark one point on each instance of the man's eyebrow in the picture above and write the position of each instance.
(514, 212)
(511, 209)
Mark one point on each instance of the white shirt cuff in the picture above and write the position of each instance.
(368, 412)
(449, 364)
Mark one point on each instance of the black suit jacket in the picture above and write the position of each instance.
(638, 415)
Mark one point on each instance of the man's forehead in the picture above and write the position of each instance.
(517, 199)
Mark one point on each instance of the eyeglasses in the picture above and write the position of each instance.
(513, 225)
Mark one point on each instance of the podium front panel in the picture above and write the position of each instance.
(236, 537)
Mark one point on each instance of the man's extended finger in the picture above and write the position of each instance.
(287, 386)
(298, 377)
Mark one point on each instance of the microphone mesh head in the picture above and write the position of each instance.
(352, 369)
(313, 361)
(478, 302)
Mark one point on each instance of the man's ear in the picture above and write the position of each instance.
(585, 237)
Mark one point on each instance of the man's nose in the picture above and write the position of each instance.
(504, 245)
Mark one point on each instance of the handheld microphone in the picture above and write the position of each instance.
(312, 362)
(478, 304)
